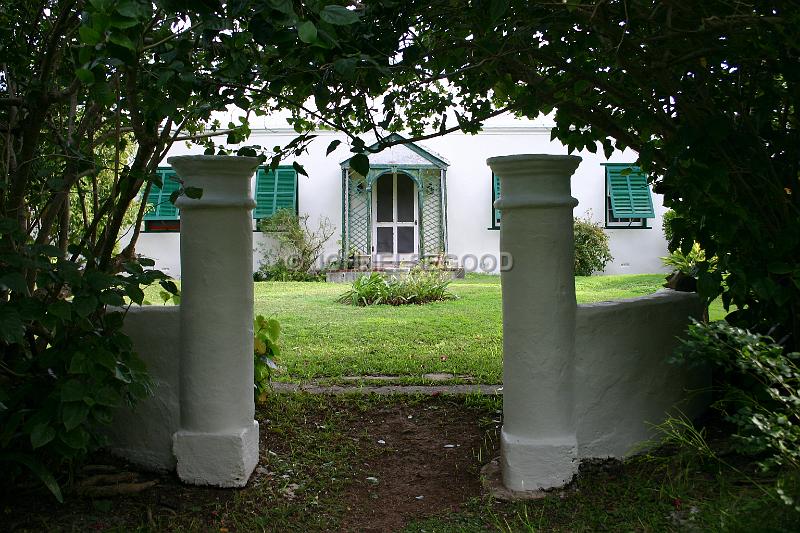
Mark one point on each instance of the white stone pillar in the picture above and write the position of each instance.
(217, 443)
(538, 439)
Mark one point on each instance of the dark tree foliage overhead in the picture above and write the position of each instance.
(706, 92)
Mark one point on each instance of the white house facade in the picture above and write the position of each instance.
(427, 199)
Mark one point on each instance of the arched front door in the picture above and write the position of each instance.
(395, 234)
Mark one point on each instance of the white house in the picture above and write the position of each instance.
(428, 199)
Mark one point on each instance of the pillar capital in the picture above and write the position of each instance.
(534, 180)
(220, 178)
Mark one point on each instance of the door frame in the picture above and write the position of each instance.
(396, 258)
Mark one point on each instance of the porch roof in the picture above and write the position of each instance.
(409, 155)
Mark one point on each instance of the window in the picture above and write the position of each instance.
(495, 196)
(628, 200)
(274, 189)
(160, 214)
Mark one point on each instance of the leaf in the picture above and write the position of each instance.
(135, 293)
(42, 434)
(123, 41)
(12, 330)
(259, 346)
(107, 396)
(338, 15)
(169, 286)
(84, 305)
(111, 297)
(73, 414)
(307, 32)
(195, 193)
(77, 439)
(85, 75)
(346, 67)
(61, 309)
(89, 35)
(72, 391)
(497, 8)
(273, 329)
(38, 469)
(360, 164)
(284, 6)
(77, 364)
(299, 168)
(120, 375)
(14, 281)
(332, 146)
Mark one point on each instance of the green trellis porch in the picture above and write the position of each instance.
(365, 197)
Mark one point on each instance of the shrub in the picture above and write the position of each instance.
(281, 270)
(418, 287)
(591, 247)
(65, 364)
(666, 226)
(761, 397)
(299, 248)
(266, 332)
(689, 263)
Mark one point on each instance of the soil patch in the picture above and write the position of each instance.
(328, 463)
(422, 461)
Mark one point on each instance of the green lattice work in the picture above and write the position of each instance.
(358, 202)
(432, 215)
(358, 214)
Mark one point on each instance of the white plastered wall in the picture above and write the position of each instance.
(623, 382)
(143, 435)
(469, 192)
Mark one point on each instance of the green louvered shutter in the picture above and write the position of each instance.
(629, 192)
(275, 190)
(286, 189)
(161, 208)
(495, 196)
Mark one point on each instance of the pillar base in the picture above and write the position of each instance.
(217, 459)
(535, 464)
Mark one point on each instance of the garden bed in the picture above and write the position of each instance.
(350, 275)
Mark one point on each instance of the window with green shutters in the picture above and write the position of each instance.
(159, 208)
(275, 189)
(629, 202)
(495, 196)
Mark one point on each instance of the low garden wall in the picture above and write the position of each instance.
(144, 435)
(622, 381)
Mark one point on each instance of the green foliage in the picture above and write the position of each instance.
(65, 365)
(279, 269)
(591, 247)
(761, 394)
(299, 248)
(666, 227)
(417, 287)
(266, 334)
(690, 263)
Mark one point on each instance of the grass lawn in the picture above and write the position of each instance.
(325, 339)
(322, 338)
